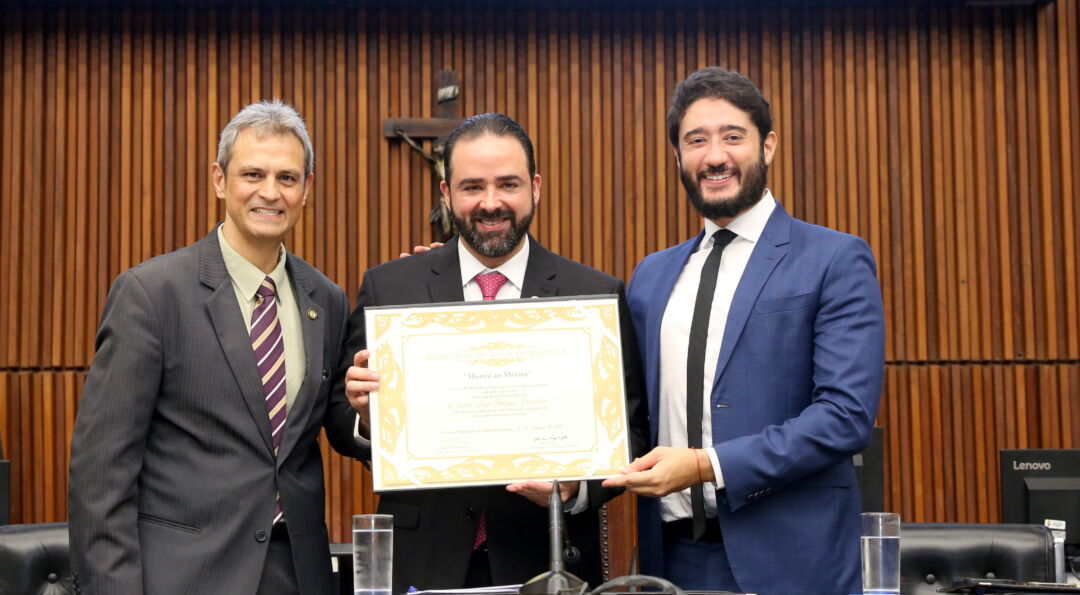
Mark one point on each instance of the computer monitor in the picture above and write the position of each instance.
(1041, 484)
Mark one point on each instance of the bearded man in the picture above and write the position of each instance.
(763, 345)
(480, 536)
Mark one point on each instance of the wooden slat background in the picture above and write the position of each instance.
(947, 137)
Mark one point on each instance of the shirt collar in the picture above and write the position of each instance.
(245, 275)
(513, 269)
(749, 226)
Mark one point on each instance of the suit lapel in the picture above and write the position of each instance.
(445, 282)
(314, 330)
(232, 332)
(539, 272)
(670, 268)
(771, 248)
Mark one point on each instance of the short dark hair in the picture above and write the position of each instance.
(714, 82)
(495, 125)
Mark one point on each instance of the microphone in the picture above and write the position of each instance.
(556, 580)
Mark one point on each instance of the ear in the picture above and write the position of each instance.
(769, 147)
(678, 159)
(218, 176)
(536, 189)
(445, 189)
(308, 183)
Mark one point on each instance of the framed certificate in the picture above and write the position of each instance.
(481, 393)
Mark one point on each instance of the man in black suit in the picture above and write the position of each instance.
(467, 537)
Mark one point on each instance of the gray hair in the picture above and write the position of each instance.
(267, 117)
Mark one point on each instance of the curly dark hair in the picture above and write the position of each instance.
(716, 83)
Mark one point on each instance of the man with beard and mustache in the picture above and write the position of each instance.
(772, 326)
(475, 537)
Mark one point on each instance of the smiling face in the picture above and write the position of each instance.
(264, 192)
(491, 196)
(722, 159)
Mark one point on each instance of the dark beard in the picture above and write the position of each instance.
(752, 187)
(492, 244)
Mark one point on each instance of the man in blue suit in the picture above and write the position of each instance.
(774, 328)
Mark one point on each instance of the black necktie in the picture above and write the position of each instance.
(695, 364)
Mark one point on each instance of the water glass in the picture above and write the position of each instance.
(373, 551)
(881, 553)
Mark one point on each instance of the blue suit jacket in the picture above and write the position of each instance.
(795, 395)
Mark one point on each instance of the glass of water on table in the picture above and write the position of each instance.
(373, 551)
(881, 553)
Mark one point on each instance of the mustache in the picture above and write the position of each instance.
(493, 214)
(719, 169)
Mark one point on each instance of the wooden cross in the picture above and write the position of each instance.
(446, 118)
(446, 114)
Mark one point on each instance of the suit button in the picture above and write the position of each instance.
(260, 536)
(470, 513)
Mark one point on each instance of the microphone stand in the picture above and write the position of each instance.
(557, 579)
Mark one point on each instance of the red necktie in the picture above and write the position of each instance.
(490, 283)
(489, 287)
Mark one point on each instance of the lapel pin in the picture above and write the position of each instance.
(312, 314)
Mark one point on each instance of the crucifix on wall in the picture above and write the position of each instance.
(414, 130)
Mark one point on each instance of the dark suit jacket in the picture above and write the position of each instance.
(796, 391)
(172, 470)
(434, 529)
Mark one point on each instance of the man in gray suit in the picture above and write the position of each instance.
(195, 466)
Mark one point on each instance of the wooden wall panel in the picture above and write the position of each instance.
(944, 136)
(37, 412)
(945, 423)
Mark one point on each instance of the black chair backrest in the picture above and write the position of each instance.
(34, 560)
(933, 555)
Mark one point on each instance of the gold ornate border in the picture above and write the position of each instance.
(395, 471)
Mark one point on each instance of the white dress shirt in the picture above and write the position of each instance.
(675, 339)
(513, 270)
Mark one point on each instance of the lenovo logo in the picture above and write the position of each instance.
(1033, 466)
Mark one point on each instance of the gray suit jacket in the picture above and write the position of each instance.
(172, 470)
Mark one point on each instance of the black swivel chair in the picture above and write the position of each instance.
(933, 555)
(34, 560)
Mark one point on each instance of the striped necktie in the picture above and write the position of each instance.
(269, 348)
